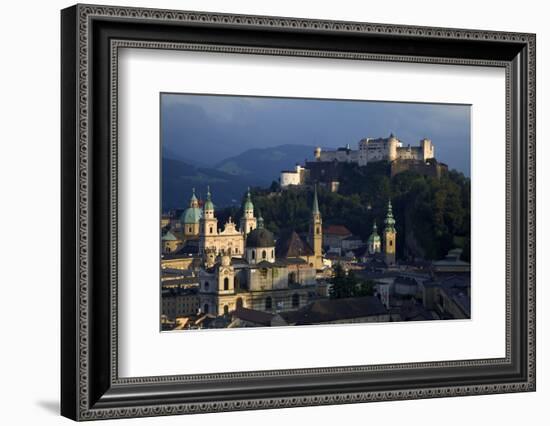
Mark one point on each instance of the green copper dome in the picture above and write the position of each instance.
(208, 205)
(248, 203)
(374, 237)
(192, 214)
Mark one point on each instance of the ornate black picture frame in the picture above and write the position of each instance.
(91, 37)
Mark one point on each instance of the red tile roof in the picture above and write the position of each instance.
(340, 230)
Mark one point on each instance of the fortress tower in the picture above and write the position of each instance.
(390, 236)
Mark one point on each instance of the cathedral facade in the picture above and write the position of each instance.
(241, 268)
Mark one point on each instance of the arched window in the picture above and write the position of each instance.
(190, 229)
(211, 230)
(239, 302)
(206, 308)
(207, 285)
(268, 303)
(253, 254)
(272, 254)
(318, 230)
(225, 309)
(391, 243)
(167, 249)
(226, 283)
(295, 300)
(264, 254)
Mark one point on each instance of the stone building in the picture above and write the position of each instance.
(170, 243)
(378, 149)
(294, 177)
(255, 277)
(228, 241)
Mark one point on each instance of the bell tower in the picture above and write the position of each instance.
(390, 237)
(208, 224)
(316, 232)
(248, 221)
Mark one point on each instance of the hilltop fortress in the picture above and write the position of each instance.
(379, 149)
(327, 165)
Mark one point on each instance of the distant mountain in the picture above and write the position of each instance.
(264, 165)
(179, 178)
(228, 179)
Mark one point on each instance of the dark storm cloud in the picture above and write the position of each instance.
(208, 129)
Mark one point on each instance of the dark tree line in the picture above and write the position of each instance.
(432, 215)
(348, 285)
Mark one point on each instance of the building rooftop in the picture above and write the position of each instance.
(339, 230)
(329, 310)
(254, 316)
(289, 244)
(189, 249)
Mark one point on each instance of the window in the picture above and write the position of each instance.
(272, 254)
(207, 285)
(190, 229)
(268, 303)
(167, 249)
(211, 230)
(225, 309)
(318, 230)
(295, 300)
(206, 308)
(236, 249)
(226, 283)
(391, 243)
(292, 278)
(264, 254)
(253, 254)
(239, 303)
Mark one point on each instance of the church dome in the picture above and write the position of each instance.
(374, 237)
(191, 215)
(260, 237)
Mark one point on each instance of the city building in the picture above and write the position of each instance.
(248, 273)
(378, 149)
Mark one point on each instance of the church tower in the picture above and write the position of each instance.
(390, 237)
(248, 221)
(316, 233)
(208, 224)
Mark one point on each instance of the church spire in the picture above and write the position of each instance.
(194, 201)
(389, 221)
(315, 210)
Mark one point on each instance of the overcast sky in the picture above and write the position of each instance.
(208, 128)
